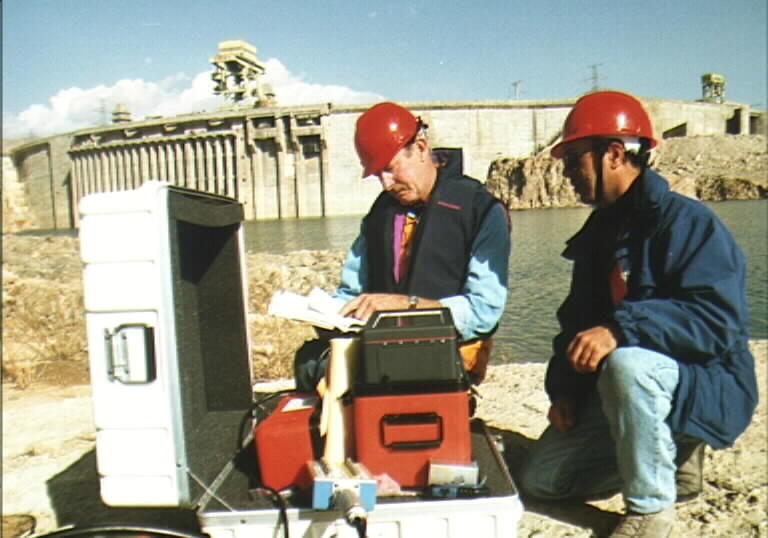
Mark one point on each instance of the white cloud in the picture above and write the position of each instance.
(291, 89)
(76, 108)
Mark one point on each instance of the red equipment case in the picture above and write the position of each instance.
(284, 443)
(400, 434)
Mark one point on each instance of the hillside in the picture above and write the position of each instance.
(722, 167)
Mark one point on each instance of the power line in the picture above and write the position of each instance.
(596, 76)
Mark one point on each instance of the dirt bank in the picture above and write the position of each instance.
(48, 429)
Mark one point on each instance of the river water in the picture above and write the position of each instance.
(538, 277)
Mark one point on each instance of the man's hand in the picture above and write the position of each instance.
(562, 414)
(588, 348)
(362, 306)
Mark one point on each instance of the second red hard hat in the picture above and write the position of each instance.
(605, 114)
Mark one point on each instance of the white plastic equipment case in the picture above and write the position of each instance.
(165, 302)
(166, 316)
(488, 517)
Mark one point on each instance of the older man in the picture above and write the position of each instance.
(434, 237)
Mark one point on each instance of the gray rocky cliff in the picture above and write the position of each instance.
(723, 167)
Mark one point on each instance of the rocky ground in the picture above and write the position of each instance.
(47, 421)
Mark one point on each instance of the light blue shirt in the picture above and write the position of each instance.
(477, 310)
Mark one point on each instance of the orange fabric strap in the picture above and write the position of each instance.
(475, 356)
(405, 242)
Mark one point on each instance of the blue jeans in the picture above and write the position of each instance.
(621, 440)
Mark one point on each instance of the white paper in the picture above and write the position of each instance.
(318, 308)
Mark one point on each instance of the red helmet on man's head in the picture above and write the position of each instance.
(608, 114)
(382, 131)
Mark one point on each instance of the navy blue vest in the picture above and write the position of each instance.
(441, 245)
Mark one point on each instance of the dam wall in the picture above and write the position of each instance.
(295, 162)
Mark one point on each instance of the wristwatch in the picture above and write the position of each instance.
(413, 302)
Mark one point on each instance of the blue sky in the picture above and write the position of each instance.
(66, 62)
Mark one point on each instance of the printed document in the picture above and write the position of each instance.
(318, 308)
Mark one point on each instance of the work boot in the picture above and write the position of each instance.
(689, 477)
(658, 525)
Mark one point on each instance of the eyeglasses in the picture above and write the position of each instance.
(571, 158)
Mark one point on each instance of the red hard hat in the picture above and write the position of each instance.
(605, 114)
(382, 131)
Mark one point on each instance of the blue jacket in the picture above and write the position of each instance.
(685, 279)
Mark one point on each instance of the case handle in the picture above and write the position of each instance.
(411, 431)
(130, 353)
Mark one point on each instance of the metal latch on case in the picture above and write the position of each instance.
(130, 353)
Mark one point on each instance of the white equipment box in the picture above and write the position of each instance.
(166, 317)
(165, 302)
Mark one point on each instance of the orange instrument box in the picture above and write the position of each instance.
(286, 440)
(400, 434)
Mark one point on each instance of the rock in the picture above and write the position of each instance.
(531, 183)
(717, 188)
(722, 167)
(18, 525)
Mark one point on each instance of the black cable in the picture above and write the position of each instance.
(252, 413)
(348, 502)
(121, 531)
(282, 508)
(361, 526)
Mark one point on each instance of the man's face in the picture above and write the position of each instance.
(405, 177)
(579, 168)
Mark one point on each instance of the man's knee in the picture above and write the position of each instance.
(532, 483)
(621, 367)
(538, 478)
(630, 367)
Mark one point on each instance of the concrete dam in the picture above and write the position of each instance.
(292, 162)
